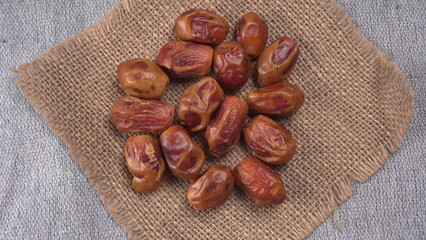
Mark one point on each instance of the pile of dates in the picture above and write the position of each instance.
(203, 107)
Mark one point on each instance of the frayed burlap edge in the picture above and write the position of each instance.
(341, 189)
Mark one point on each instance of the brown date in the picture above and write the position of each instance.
(269, 141)
(201, 26)
(223, 132)
(280, 99)
(212, 188)
(231, 64)
(144, 161)
(181, 59)
(252, 33)
(276, 61)
(131, 114)
(198, 103)
(261, 184)
(142, 78)
(184, 157)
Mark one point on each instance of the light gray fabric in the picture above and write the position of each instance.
(44, 195)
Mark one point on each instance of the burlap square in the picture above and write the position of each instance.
(357, 109)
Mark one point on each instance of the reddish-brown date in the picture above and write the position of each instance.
(269, 141)
(280, 99)
(144, 161)
(198, 103)
(184, 157)
(231, 64)
(131, 114)
(180, 59)
(223, 132)
(201, 26)
(252, 33)
(142, 78)
(276, 61)
(212, 188)
(263, 185)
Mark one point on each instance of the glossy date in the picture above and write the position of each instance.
(201, 26)
(231, 64)
(276, 61)
(224, 130)
(184, 157)
(251, 32)
(142, 78)
(198, 102)
(131, 114)
(263, 185)
(280, 99)
(144, 162)
(212, 188)
(269, 141)
(180, 59)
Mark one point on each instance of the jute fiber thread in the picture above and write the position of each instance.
(357, 109)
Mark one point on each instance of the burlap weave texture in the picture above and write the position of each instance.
(357, 108)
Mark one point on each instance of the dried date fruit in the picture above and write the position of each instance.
(184, 157)
(131, 114)
(212, 188)
(269, 141)
(261, 184)
(231, 64)
(145, 163)
(280, 99)
(223, 132)
(180, 59)
(201, 26)
(252, 33)
(276, 61)
(142, 78)
(198, 103)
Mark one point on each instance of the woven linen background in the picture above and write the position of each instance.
(292, 123)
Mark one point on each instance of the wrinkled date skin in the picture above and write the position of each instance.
(252, 33)
(198, 103)
(131, 114)
(144, 161)
(280, 99)
(184, 157)
(212, 188)
(269, 141)
(201, 26)
(263, 185)
(223, 132)
(142, 78)
(276, 61)
(181, 59)
(231, 64)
